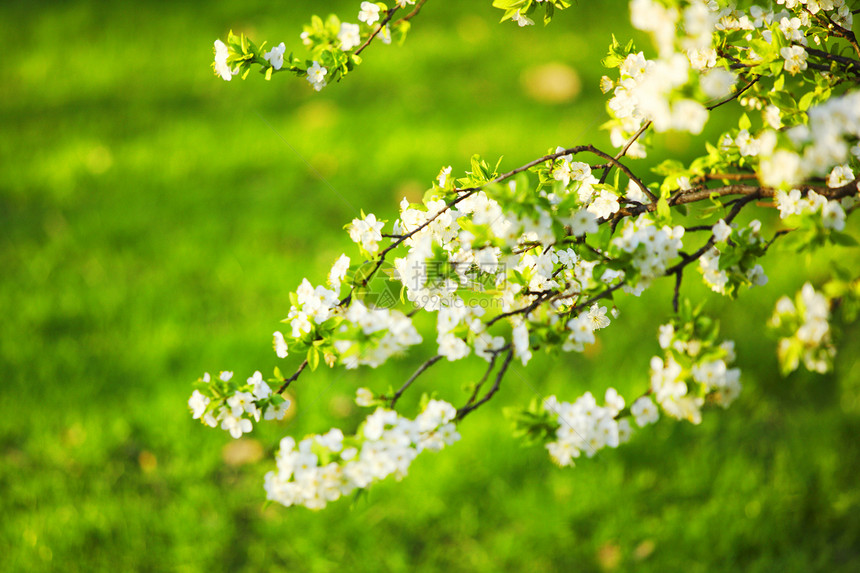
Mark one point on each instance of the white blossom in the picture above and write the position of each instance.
(369, 13)
(275, 56)
(349, 36)
(316, 76)
(221, 67)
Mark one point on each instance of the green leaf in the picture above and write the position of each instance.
(663, 210)
(805, 101)
(313, 358)
(843, 239)
(547, 17)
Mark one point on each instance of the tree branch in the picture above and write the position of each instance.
(291, 379)
(421, 369)
(388, 16)
(464, 411)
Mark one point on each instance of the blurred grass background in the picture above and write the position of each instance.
(153, 221)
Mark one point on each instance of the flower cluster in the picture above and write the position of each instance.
(333, 46)
(693, 368)
(516, 262)
(805, 323)
(370, 336)
(831, 213)
(732, 261)
(234, 405)
(824, 145)
(650, 249)
(583, 426)
(323, 468)
(366, 232)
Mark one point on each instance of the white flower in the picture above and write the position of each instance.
(316, 76)
(597, 317)
(635, 193)
(260, 390)
(702, 59)
(299, 322)
(452, 347)
(614, 401)
(280, 344)
(717, 82)
(604, 205)
(666, 334)
(366, 232)
(756, 276)
(791, 30)
(338, 271)
(789, 203)
(522, 20)
(581, 330)
(369, 13)
(712, 374)
(747, 144)
(839, 176)
(583, 222)
(780, 170)
(349, 36)
(277, 412)
(221, 67)
(236, 426)
(772, 116)
(521, 342)
(198, 403)
(385, 35)
(364, 397)
(442, 178)
(644, 411)
(833, 216)
(689, 115)
(795, 59)
(241, 403)
(275, 56)
(721, 231)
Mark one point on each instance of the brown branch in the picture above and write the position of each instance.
(464, 411)
(524, 310)
(726, 176)
(483, 379)
(413, 13)
(851, 64)
(421, 369)
(839, 30)
(679, 276)
(735, 96)
(388, 16)
(291, 379)
(624, 151)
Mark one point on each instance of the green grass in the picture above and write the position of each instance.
(153, 222)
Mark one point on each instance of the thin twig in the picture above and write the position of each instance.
(419, 372)
(388, 16)
(734, 96)
(291, 379)
(462, 412)
(483, 379)
(413, 13)
(624, 151)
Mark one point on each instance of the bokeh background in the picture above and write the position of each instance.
(153, 219)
